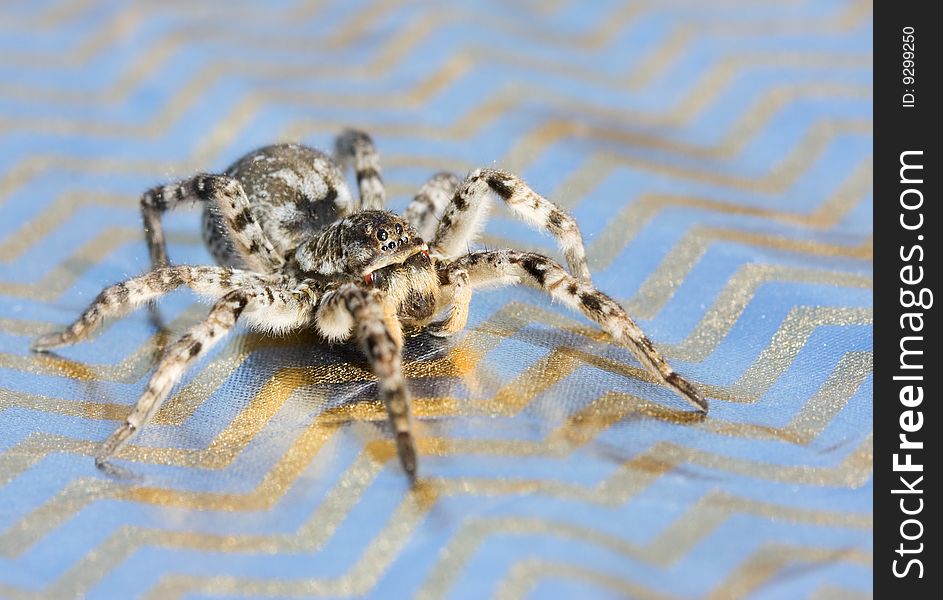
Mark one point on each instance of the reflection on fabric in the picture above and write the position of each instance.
(718, 159)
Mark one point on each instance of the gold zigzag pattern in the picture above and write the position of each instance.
(697, 100)
(640, 471)
(608, 27)
(57, 508)
(767, 562)
(623, 229)
(705, 337)
(571, 345)
(576, 432)
(783, 175)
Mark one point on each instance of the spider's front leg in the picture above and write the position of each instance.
(122, 298)
(357, 311)
(464, 217)
(355, 147)
(508, 267)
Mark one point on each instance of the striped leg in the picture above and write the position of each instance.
(465, 215)
(231, 208)
(195, 343)
(430, 202)
(358, 311)
(458, 289)
(539, 272)
(355, 147)
(120, 299)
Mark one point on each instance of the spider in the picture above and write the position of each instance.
(295, 251)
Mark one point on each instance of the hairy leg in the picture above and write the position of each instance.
(465, 215)
(355, 147)
(356, 311)
(539, 272)
(430, 202)
(121, 298)
(231, 210)
(457, 288)
(195, 343)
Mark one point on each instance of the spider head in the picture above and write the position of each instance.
(361, 244)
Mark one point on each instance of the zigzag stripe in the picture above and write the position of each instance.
(105, 35)
(173, 111)
(579, 95)
(623, 228)
(524, 575)
(576, 432)
(771, 559)
(57, 15)
(473, 121)
(704, 93)
(410, 513)
(833, 592)
(660, 286)
(658, 59)
(580, 429)
(776, 181)
(609, 26)
(646, 207)
(79, 485)
(613, 492)
(697, 346)
(628, 223)
(672, 544)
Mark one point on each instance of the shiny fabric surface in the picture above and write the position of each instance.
(718, 158)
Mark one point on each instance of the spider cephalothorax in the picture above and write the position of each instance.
(360, 244)
(295, 252)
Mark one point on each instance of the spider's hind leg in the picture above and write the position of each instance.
(355, 147)
(194, 344)
(430, 201)
(230, 210)
(464, 217)
(263, 307)
(537, 271)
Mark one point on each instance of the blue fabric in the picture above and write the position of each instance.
(718, 159)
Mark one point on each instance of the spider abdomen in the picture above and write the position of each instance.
(293, 191)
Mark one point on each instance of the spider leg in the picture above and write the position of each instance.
(194, 343)
(430, 202)
(264, 307)
(356, 147)
(507, 267)
(465, 215)
(356, 311)
(229, 209)
(121, 298)
(458, 290)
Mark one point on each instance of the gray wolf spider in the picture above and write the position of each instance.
(295, 251)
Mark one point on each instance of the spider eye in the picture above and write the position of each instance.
(399, 229)
(382, 235)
